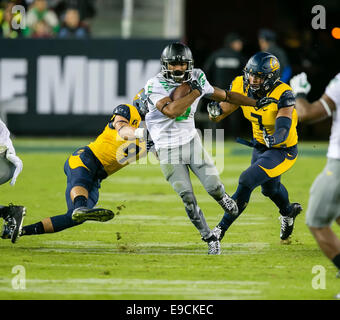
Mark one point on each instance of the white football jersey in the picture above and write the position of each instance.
(333, 91)
(5, 137)
(166, 132)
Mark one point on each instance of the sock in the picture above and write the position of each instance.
(241, 196)
(281, 200)
(36, 228)
(336, 261)
(226, 221)
(80, 201)
(63, 221)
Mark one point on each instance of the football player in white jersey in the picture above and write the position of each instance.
(10, 168)
(172, 128)
(324, 202)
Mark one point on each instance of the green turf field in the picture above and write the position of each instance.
(151, 250)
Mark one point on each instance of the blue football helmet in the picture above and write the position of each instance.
(265, 66)
(140, 101)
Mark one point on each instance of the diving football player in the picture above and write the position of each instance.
(121, 142)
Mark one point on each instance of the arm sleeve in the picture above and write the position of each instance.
(282, 127)
(287, 99)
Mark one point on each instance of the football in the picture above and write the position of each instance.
(180, 91)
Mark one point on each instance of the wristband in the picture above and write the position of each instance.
(226, 95)
(139, 133)
(326, 106)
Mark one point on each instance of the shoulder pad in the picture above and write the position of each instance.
(287, 99)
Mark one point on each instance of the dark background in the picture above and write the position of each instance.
(314, 51)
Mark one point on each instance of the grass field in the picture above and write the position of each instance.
(151, 250)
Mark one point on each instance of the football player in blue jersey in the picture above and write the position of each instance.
(274, 139)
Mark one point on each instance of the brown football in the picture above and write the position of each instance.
(180, 91)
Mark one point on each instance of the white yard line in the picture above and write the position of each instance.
(201, 289)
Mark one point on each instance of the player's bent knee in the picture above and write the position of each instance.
(269, 192)
(6, 171)
(188, 198)
(246, 180)
(214, 187)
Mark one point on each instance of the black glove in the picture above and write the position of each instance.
(195, 85)
(265, 101)
(150, 146)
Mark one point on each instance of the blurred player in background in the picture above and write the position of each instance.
(10, 168)
(121, 143)
(324, 202)
(267, 43)
(274, 139)
(221, 68)
(178, 145)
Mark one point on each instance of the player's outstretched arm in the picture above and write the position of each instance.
(238, 99)
(310, 112)
(125, 131)
(315, 111)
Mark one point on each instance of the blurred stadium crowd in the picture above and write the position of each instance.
(47, 18)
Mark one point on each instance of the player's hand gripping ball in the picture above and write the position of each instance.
(180, 92)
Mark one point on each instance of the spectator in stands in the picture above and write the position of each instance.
(6, 23)
(72, 26)
(41, 21)
(267, 43)
(86, 9)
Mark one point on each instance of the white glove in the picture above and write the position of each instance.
(11, 157)
(214, 109)
(300, 84)
(139, 133)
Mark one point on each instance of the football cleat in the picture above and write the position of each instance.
(219, 232)
(14, 219)
(82, 214)
(228, 204)
(214, 246)
(287, 222)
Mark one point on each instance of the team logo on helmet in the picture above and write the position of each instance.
(274, 64)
